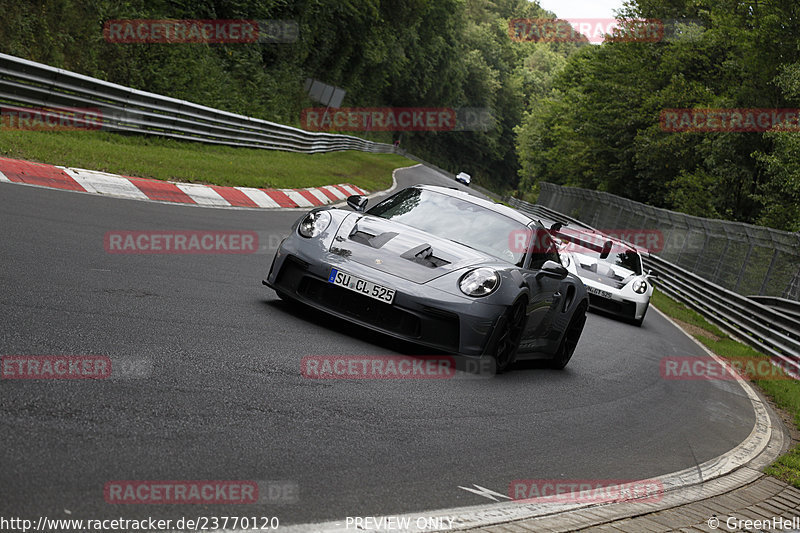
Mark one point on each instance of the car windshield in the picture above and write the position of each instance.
(621, 262)
(457, 220)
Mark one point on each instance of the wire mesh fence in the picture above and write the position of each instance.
(746, 259)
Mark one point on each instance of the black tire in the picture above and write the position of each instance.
(505, 348)
(570, 339)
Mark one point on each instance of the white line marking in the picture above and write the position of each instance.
(4, 178)
(258, 196)
(202, 195)
(486, 493)
(104, 183)
(297, 198)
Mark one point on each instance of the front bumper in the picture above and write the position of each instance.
(419, 313)
(632, 308)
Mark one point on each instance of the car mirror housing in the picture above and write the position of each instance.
(606, 249)
(551, 269)
(357, 202)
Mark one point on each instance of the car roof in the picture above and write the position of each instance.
(488, 204)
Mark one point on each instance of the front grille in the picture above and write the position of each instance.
(625, 307)
(361, 307)
(442, 327)
(432, 326)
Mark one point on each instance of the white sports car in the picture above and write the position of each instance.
(463, 177)
(611, 269)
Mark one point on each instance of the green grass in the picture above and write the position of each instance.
(784, 392)
(167, 159)
(677, 310)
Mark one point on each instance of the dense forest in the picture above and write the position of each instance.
(566, 112)
(599, 127)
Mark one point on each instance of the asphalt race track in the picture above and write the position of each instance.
(220, 396)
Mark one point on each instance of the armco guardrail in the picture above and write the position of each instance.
(770, 331)
(782, 305)
(28, 84)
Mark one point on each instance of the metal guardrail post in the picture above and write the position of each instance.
(743, 269)
(715, 275)
(768, 275)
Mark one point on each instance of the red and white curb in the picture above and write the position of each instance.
(91, 181)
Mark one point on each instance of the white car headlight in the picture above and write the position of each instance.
(479, 282)
(314, 223)
(640, 286)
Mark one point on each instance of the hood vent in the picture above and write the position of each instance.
(423, 255)
(376, 241)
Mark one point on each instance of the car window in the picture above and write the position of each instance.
(542, 248)
(455, 219)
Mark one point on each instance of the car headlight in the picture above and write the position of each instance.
(640, 286)
(314, 223)
(565, 260)
(479, 282)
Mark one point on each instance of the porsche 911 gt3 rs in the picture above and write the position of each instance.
(437, 267)
(612, 271)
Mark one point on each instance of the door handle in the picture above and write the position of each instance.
(556, 299)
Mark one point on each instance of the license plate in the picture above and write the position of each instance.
(361, 286)
(598, 292)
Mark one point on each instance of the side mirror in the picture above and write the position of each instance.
(357, 202)
(651, 274)
(551, 269)
(606, 249)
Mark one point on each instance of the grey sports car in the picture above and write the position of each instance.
(437, 267)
